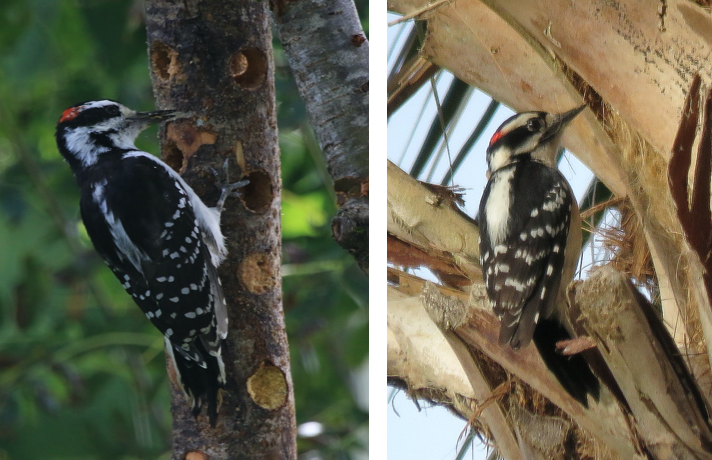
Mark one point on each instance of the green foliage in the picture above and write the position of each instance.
(81, 369)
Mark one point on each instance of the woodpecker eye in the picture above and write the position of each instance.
(534, 125)
(113, 110)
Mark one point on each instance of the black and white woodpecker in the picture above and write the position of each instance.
(159, 239)
(530, 240)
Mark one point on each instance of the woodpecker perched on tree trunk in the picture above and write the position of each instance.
(530, 240)
(156, 235)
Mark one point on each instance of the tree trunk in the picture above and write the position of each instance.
(213, 60)
(328, 53)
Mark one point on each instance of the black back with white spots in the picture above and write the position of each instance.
(522, 244)
(157, 252)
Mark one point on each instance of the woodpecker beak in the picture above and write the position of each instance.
(560, 120)
(155, 116)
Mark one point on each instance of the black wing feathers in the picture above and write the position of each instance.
(172, 283)
(522, 274)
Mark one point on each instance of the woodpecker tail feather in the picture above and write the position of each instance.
(200, 385)
(572, 372)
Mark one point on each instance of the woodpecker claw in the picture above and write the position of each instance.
(226, 188)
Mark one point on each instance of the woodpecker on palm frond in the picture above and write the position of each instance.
(530, 241)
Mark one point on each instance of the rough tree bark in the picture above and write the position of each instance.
(213, 60)
(328, 53)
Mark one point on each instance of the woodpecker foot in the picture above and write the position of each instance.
(227, 188)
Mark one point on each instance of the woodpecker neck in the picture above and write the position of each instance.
(83, 147)
(546, 153)
(522, 157)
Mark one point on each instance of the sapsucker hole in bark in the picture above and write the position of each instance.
(258, 194)
(248, 68)
(164, 60)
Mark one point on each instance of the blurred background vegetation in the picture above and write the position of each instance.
(82, 373)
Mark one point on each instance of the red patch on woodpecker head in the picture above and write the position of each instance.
(70, 113)
(495, 137)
